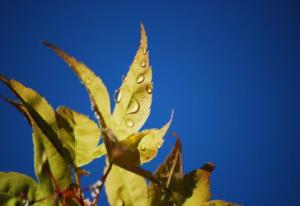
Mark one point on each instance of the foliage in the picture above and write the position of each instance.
(65, 140)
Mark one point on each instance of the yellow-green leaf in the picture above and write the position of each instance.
(170, 174)
(80, 134)
(133, 98)
(97, 91)
(41, 165)
(16, 187)
(125, 188)
(152, 141)
(44, 116)
(199, 180)
(125, 156)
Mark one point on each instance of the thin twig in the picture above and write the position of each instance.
(103, 179)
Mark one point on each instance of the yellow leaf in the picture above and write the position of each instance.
(170, 174)
(152, 141)
(125, 188)
(97, 91)
(199, 180)
(41, 109)
(40, 156)
(12, 185)
(133, 99)
(80, 133)
(125, 155)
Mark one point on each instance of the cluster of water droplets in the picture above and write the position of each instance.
(95, 188)
(134, 105)
(143, 148)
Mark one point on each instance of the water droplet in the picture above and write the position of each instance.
(118, 95)
(158, 146)
(143, 148)
(44, 157)
(143, 63)
(144, 51)
(129, 123)
(120, 202)
(149, 89)
(134, 107)
(147, 156)
(96, 116)
(140, 79)
(124, 78)
(88, 81)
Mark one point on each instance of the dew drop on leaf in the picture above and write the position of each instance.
(96, 116)
(134, 107)
(143, 148)
(140, 79)
(118, 96)
(144, 51)
(124, 78)
(129, 123)
(143, 63)
(88, 81)
(147, 156)
(149, 89)
(120, 202)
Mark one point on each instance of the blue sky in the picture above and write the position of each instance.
(229, 69)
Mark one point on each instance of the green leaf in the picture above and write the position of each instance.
(125, 188)
(80, 134)
(134, 97)
(16, 187)
(43, 115)
(97, 91)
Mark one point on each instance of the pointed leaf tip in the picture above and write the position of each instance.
(97, 90)
(209, 167)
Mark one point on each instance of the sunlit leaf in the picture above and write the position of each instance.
(94, 85)
(199, 182)
(44, 116)
(125, 188)
(187, 190)
(170, 174)
(133, 99)
(41, 165)
(80, 134)
(148, 146)
(125, 156)
(16, 188)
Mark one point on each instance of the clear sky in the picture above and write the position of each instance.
(229, 69)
